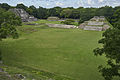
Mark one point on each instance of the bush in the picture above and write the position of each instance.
(68, 22)
(80, 21)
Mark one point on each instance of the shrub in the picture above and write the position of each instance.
(68, 21)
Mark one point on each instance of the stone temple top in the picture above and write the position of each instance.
(25, 17)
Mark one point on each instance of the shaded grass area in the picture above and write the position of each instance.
(64, 53)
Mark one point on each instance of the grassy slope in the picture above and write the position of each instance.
(61, 51)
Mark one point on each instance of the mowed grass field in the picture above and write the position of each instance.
(67, 52)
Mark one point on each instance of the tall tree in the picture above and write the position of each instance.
(41, 13)
(5, 6)
(66, 13)
(22, 6)
(32, 10)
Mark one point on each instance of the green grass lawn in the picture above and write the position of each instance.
(41, 21)
(46, 21)
(65, 52)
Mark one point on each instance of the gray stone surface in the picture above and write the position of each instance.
(93, 28)
(60, 26)
(25, 17)
(53, 19)
(95, 23)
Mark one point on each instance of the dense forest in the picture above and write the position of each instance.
(112, 14)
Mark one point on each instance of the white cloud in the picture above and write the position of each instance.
(20, 3)
(47, 4)
(89, 1)
(100, 0)
(80, 3)
(59, 4)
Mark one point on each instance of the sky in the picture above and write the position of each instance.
(64, 3)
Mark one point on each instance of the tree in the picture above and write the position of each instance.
(52, 12)
(8, 21)
(5, 6)
(115, 18)
(32, 10)
(75, 14)
(41, 13)
(21, 6)
(105, 11)
(58, 11)
(111, 49)
(66, 13)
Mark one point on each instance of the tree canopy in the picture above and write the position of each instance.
(69, 12)
(111, 48)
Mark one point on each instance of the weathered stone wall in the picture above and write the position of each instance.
(52, 18)
(95, 23)
(60, 26)
(93, 28)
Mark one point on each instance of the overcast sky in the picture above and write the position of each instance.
(64, 3)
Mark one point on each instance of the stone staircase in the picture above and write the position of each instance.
(25, 17)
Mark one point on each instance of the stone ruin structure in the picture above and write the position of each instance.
(25, 17)
(96, 23)
(61, 26)
(53, 19)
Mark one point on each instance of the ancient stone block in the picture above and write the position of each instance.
(53, 19)
(93, 28)
(95, 23)
(61, 26)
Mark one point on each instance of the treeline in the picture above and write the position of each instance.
(69, 12)
(112, 14)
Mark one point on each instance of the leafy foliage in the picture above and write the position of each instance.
(8, 21)
(5, 6)
(68, 21)
(111, 48)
